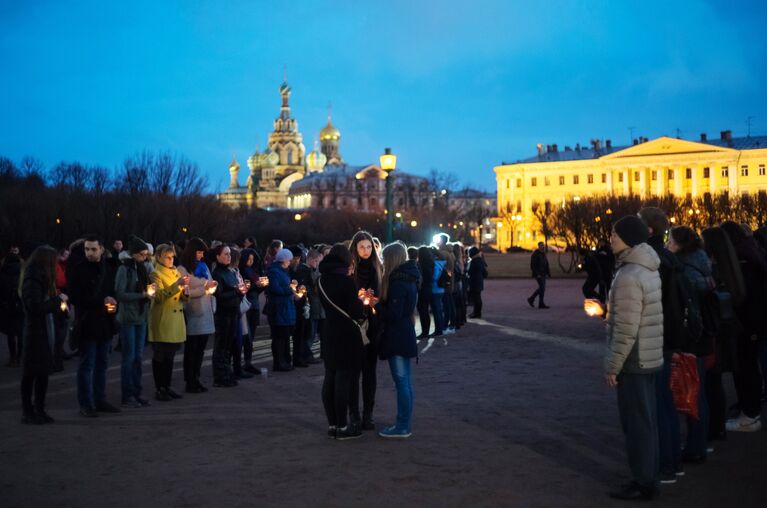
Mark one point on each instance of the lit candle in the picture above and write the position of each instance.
(64, 307)
(593, 307)
(151, 289)
(211, 290)
(111, 308)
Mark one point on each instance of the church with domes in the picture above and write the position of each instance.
(284, 176)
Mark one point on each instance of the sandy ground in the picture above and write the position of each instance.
(511, 411)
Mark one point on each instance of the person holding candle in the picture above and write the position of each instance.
(301, 273)
(228, 296)
(634, 352)
(40, 303)
(367, 276)
(91, 289)
(167, 328)
(133, 292)
(198, 311)
(281, 293)
(250, 270)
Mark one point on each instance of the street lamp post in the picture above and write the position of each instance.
(388, 164)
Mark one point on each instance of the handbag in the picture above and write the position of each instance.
(362, 327)
(685, 383)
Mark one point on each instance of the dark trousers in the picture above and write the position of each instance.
(194, 352)
(61, 326)
(369, 385)
(639, 419)
(423, 313)
(476, 299)
(300, 332)
(540, 291)
(448, 305)
(460, 307)
(164, 354)
(590, 289)
(38, 384)
(281, 346)
(697, 430)
(92, 372)
(223, 342)
(717, 403)
(748, 380)
(254, 320)
(336, 389)
(669, 437)
(14, 346)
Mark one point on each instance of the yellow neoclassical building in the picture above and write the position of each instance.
(648, 167)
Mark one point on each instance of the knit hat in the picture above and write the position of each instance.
(136, 245)
(283, 255)
(631, 230)
(473, 252)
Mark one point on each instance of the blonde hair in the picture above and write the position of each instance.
(394, 255)
(161, 250)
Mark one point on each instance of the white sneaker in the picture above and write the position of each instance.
(744, 423)
(449, 331)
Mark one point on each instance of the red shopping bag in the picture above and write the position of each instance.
(685, 384)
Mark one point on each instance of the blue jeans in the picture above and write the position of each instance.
(439, 313)
(697, 430)
(669, 439)
(400, 373)
(132, 338)
(92, 373)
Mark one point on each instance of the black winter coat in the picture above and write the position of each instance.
(11, 312)
(398, 337)
(539, 264)
(477, 274)
(342, 347)
(37, 344)
(89, 283)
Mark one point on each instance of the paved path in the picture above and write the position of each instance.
(511, 411)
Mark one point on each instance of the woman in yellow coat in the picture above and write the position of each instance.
(167, 330)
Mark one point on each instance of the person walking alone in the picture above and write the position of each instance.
(539, 265)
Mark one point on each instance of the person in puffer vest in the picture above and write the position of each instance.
(634, 353)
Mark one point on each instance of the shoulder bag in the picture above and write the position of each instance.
(363, 328)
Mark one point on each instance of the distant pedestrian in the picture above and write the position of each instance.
(539, 265)
(11, 311)
(477, 274)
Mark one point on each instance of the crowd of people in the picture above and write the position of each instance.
(677, 294)
(357, 298)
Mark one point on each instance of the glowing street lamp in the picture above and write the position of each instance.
(297, 216)
(388, 164)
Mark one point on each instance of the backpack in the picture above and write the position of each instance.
(683, 321)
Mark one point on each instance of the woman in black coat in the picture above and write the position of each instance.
(426, 267)
(11, 313)
(40, 302)
(343, 350)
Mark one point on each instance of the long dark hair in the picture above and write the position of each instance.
(719, 248)
(42, 259)
(188, 257)
(375, 261)
(686, 238)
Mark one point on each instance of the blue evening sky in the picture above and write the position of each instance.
(453, 85)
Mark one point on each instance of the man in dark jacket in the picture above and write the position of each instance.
(606, 260)
(540, 268)
(91, 287)
(301, 273)
(593, 275)
(477, 272)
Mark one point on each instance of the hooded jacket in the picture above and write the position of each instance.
(635, 314)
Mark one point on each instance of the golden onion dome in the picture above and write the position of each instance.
(234, 164)
(330, 131)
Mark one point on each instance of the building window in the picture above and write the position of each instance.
(688, 173)
(744, 171)
(654, 176)
(670, 174)
(620, 177)
(546, 180)
(590, 178)
(706, 173)
(761, 169)
(519, 183)
(725, 171)
(575, 179)
(534, 181)
(519, 206)
(508, 184)
(636, 176)
(604, 177)
(561, 180)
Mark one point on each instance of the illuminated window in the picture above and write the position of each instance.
(561, 180)
(534, 181)
(725, 171)
(546, 180)
(604, 177)
(706, 173)
(519, 183)
(688, 173)
(636, 176)
(744, 171)
(590, 178)
(670, 174)
(654, 176)
(620, 177)
(508, 184)
(575, 179)
(761, 169)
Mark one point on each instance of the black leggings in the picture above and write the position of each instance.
(14, 346)
(369, 385)
(194, 352)
(40, 386)
(162, 363)
(336, 389)
(423, 313)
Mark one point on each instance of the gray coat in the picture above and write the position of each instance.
(200, 307)
(635, 314)
(130, 310)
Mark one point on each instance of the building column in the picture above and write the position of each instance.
(609, 183)
(695, 182)
(732, 171)
(643, 182)
(678, 180)
(713, 175)
(660, 174)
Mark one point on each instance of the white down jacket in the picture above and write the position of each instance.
(635, 313)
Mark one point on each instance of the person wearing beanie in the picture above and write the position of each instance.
(136, 245)
(477, 272)
(539, 265)
(280, 309)
(634, 352)
(301, 273)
